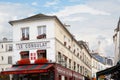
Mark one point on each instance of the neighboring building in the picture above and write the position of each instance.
(6, 52)
(116, 40)
(41, 36)
(86, 59)
(100, 63)
(113, 71)
(95, 66)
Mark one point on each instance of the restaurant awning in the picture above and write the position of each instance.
(30, 68)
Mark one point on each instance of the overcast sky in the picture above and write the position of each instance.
(90, 20)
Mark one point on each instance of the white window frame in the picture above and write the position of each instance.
(41, 29)
(25, 32)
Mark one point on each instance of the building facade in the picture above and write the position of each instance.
(116, 40)
(6, 52)
(100, 63)
(95, 63)
(113, 72)
(41, 36)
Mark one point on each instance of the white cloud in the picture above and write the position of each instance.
(78, 9)
(93, 21)
(10, 11)
(51, 3)
(76, 18)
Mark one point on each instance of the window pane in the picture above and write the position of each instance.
(25, 32)
(44, 29)
(9, 59)
(41, 30)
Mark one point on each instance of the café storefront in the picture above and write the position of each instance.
(43, 71)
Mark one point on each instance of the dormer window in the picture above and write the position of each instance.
(41, 32)
(25, 34)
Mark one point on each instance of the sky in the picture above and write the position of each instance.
(92, 21)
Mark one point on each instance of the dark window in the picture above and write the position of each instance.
(74, 66)
(59, 77)
(9, 59)
(2, 58)
(65, 78)
(41, 53)
(24, 54)
(2, 69)
(9, 47)
(2, 45)
(69, 63)
(59, 57)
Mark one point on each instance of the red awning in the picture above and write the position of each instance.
(24, 69)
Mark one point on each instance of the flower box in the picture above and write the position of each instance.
(24, 38)
(41, 60)
(23, 61)
(41, 36)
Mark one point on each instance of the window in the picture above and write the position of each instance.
(74, 66)
(60, 77)
(41, 53)
(2, 58)
(69, 63)
(65, 59)
(66, 78)
(80, 69)
(25, 33)
(77, 67)
(2, 69)
(9, 47)
(65, 41)
(24, 54)
(41, 32)
(33, 56)
(1, 46)
(9, 59)
(59, 57)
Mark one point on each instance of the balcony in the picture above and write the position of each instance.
(41, 36)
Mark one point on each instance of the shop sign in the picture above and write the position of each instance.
(69, 73)
(33, 45)
(78, 76)
(64, 72)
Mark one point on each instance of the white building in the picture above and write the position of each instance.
(100, 63)
(116, 39)
(6, 52)
(95, 63)
(42, 36)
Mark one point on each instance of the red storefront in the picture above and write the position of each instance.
(43, 71)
